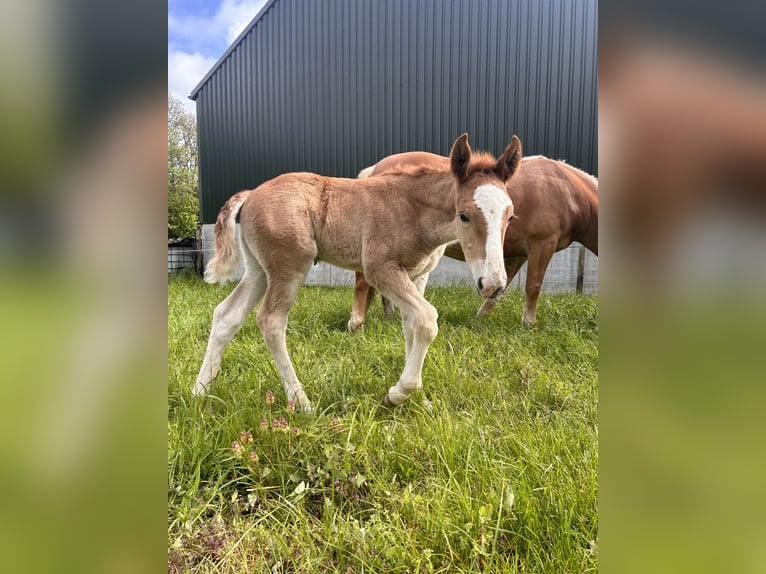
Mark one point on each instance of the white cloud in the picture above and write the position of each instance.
(210, 33)
(237, 15)
(196, 42)
(184, 72)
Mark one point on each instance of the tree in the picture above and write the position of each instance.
(183, 179)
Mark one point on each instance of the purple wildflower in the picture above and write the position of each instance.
(245, 437)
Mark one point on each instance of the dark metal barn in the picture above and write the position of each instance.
(332, 86)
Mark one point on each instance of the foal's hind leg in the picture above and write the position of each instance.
(272, 321)
(539, 254)
(228, 318)
(512, 266)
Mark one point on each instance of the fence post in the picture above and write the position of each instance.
(198, 261)
(580, 268)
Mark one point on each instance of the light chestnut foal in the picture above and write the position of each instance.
(554, 203)
(388, 227)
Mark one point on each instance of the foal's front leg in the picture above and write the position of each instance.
(363, 294)
(419, 326)
(539, 256)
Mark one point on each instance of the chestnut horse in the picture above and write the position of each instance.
(555, 205)
(387, 226)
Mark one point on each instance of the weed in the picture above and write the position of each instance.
(499, 476)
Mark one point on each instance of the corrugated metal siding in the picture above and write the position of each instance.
(332, 86)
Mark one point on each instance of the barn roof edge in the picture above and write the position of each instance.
(266, 7)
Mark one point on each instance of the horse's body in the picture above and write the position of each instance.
(387, 227)
(555, 204)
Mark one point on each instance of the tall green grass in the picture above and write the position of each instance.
(500, 476)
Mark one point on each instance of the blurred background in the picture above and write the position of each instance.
(82, 293)
(682, 162)
(682, 155)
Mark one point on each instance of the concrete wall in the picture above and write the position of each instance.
(561, 276)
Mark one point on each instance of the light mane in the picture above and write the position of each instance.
(481, 162)
(589, 176)
(414, 170)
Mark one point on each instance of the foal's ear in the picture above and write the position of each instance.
(460, 157)
(510, 160)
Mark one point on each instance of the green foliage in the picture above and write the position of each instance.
(183, 180)
(500, 476)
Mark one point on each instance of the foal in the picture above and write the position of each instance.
(556, 204)
(387, 227)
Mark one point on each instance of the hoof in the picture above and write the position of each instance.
(308, 409)
(305, 406)
(301, 401)
(427, 405)
(353, 326)
(390, 403)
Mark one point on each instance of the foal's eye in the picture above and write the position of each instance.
(463, 218)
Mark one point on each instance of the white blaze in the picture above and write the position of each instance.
(492, 201)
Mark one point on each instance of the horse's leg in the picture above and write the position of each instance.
(388, 307)
(512, 266)
(419, 326)
(280, 296)
(421, 282)
(363, 294)
(228, 318)
(539, 254)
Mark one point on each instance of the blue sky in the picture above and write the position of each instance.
(199, 31)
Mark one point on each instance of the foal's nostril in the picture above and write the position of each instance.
(480, 284)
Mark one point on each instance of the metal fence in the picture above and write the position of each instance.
(185, 253)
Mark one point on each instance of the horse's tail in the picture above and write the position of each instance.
(366, 172)
(225, 262)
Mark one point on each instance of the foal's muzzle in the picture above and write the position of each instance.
(489, 290)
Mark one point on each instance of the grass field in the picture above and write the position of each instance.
(500, 476)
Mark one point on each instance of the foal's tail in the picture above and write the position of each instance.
(225, 263)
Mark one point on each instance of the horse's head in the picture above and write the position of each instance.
(483, 210)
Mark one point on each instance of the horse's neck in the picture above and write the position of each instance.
(588, 225)
(435, 204)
